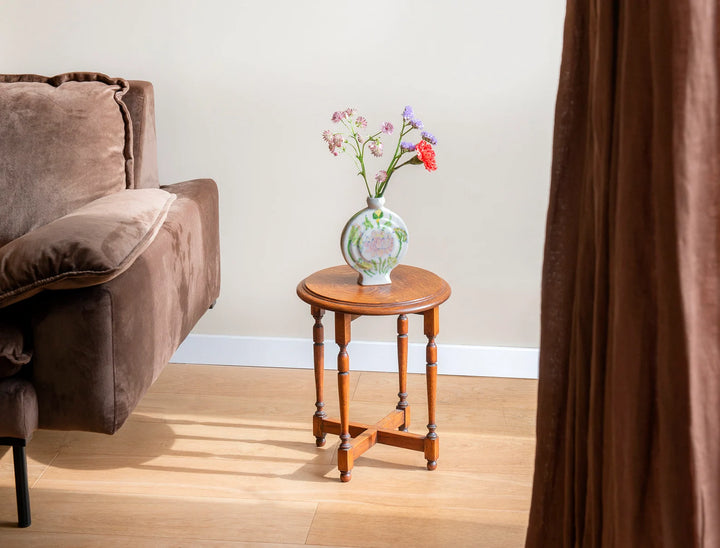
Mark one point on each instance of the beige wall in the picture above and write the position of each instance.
(244, 89)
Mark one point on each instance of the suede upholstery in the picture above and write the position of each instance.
(64, 142)
(117, 337)
(13, 352)
(140, 101)
(91, 245)
(18, 408)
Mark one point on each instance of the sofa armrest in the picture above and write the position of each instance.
(98, 349)
(90, 246)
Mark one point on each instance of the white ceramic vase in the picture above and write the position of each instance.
(373, 242)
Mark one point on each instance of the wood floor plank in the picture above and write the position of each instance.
(277, 480)
(207, 518)
(42, 449)
(218, 380)
(476, 419)
(378, 526)
(141, 440)
(452, 390)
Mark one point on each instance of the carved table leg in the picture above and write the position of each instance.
(432, 445)
(342, 338)
(319, 363)
(402, 344)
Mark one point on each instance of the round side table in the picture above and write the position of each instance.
(413, 291)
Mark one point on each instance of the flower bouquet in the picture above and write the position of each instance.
(375, 238)
(353, 142)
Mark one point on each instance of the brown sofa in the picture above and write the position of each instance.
(103, 272)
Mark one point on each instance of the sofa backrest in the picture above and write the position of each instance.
(67, 140)
(140, 101)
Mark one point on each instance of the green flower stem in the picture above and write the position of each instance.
(406, 162)
(359, 153)
(356, 158)
(362, 152)
(358, 149)
(369, 139)
(391, 168)
(355, 148)
(394, 170)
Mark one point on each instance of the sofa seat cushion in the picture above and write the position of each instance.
(65, 141)
(13, 354)
(90, 246)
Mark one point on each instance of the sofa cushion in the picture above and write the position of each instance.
(13, 354)
(64, 142)
(90, 246)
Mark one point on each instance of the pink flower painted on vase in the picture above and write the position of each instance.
(377, 244)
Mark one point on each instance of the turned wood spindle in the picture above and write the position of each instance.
(342, 338)
(432, 323)
(319, 365)
(402, 346)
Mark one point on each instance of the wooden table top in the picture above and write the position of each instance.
(412, 290)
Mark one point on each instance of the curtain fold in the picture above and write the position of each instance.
(629, 395)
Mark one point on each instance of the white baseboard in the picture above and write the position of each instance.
(453, 359)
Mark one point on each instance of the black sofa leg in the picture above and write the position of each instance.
(22, 489)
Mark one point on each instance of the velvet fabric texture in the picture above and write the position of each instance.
(140, 102)
(92, 245)
(628, 451)
(13, 353)
(98, 349)
(64, 141)
(18, 408)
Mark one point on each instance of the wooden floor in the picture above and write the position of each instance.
(224, 456)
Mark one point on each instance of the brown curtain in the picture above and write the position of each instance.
(628, 446)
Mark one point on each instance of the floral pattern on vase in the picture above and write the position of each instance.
(373, 242)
